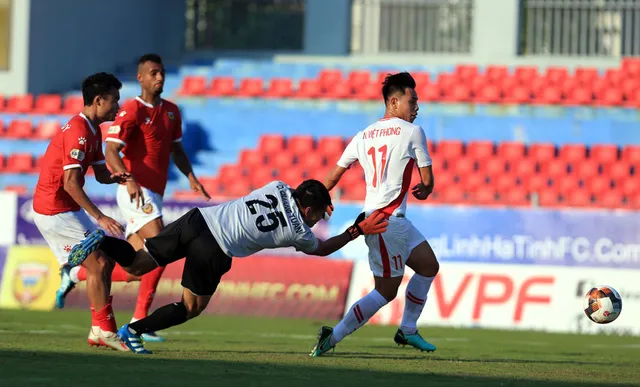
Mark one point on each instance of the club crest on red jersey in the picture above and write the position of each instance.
(171, 116)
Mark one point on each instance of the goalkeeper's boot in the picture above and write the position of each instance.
(66, 285)
(414, 340)
(81, 251)
(132, 341)
(324, 342)
(151, 337)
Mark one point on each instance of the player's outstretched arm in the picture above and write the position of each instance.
(181, 160)
(334, 177)
(373, 224)
(104, 175)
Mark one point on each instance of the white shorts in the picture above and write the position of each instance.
(137, 218)
(63, 231)
(388, 252)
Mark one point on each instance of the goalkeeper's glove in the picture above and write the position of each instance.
(373, 224)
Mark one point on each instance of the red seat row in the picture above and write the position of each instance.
(19, 163)
(24, 129)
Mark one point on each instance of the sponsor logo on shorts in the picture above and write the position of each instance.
(147, 208)
(30, 281)
(115, 129)
(77, 154)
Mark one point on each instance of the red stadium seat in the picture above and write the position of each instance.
(250, 159)
(452, 194)
(279, 88)
(517, 196)
(2, 129)
(271, 143)
(502, 183)
(20, 104)
(517, 95)
(2, 103)
(610, 199)
(2, 162)
(550, 95)
(511, 151)
(466, 72)
(291, 176)
(72, 105)
(308, 88)
(211, 184)
(578, 198)
(618, 171)
(610, 97)
(457, 93)
(556, 75)
(463, 166)
(187, 195)
(554, 168)
(525, 74)
(450, 149)
(541, 151)
(193, 85)
(19, 189)
(488, 94)
(331, 146)
(480, 150)
(238, 188)
(572, 153)
(484, 196)
(251, 87)
(230, 172)
(630, 187)
(281, 160)
(492, 166)
(598, 86)
(429, 92)
(301, 144)
(522, 168)
(495, 74)
(604, 154)
(580, 96)
(311, 160)
(337, 91)
(20, 163)
(586, 75)
(446, 81)
(329, 77)
(535, 183)
(47, 129)
(48, 104)
(19, 129)
(421, 78)
(631, 67)
(261, 176)
(548, 198)
(597, 185)
(222, 87)
(368, 92)
(358, 78)
(566, 184)
(631, 154)
(586, 169)
(615, 77)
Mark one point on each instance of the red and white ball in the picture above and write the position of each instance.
(602, 304)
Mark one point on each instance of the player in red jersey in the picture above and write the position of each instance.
(59, 199)
(148, 131)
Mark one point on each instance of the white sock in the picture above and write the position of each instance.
(73, 274)
(358, 315)
(416, 297)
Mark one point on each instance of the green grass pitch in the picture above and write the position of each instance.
(50, 349)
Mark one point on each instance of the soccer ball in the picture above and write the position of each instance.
(602, 304)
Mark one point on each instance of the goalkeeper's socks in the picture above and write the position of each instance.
(162, 318)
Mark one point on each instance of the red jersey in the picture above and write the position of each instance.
(77, 145)
(147, 133)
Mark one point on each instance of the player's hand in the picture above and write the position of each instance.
(111, 226)
(373, 224)
(420, 191)
(121, 177)
(196, 186)
(135, 193)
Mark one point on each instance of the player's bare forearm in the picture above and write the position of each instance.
(74, 189)
(426, 176)
(332, 245)
(103, 175)
(181, 160)
(112, 154)
(334, 177)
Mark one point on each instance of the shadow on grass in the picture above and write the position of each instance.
(37, 368)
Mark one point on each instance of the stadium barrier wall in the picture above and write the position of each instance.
(500, 268)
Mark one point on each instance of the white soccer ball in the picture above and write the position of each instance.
(602, 304)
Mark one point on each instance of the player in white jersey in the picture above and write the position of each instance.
(388, 150)
(270, 217)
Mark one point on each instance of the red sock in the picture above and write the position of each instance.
(148, 285)
(105, 318)
(82, 274)
(119, 275)
(94, 322)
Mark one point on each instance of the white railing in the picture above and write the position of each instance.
(405, 26)
(605, 28)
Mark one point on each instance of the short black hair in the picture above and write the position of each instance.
(155, 58)
(312, 193)
(98, 84)
(397, 83)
